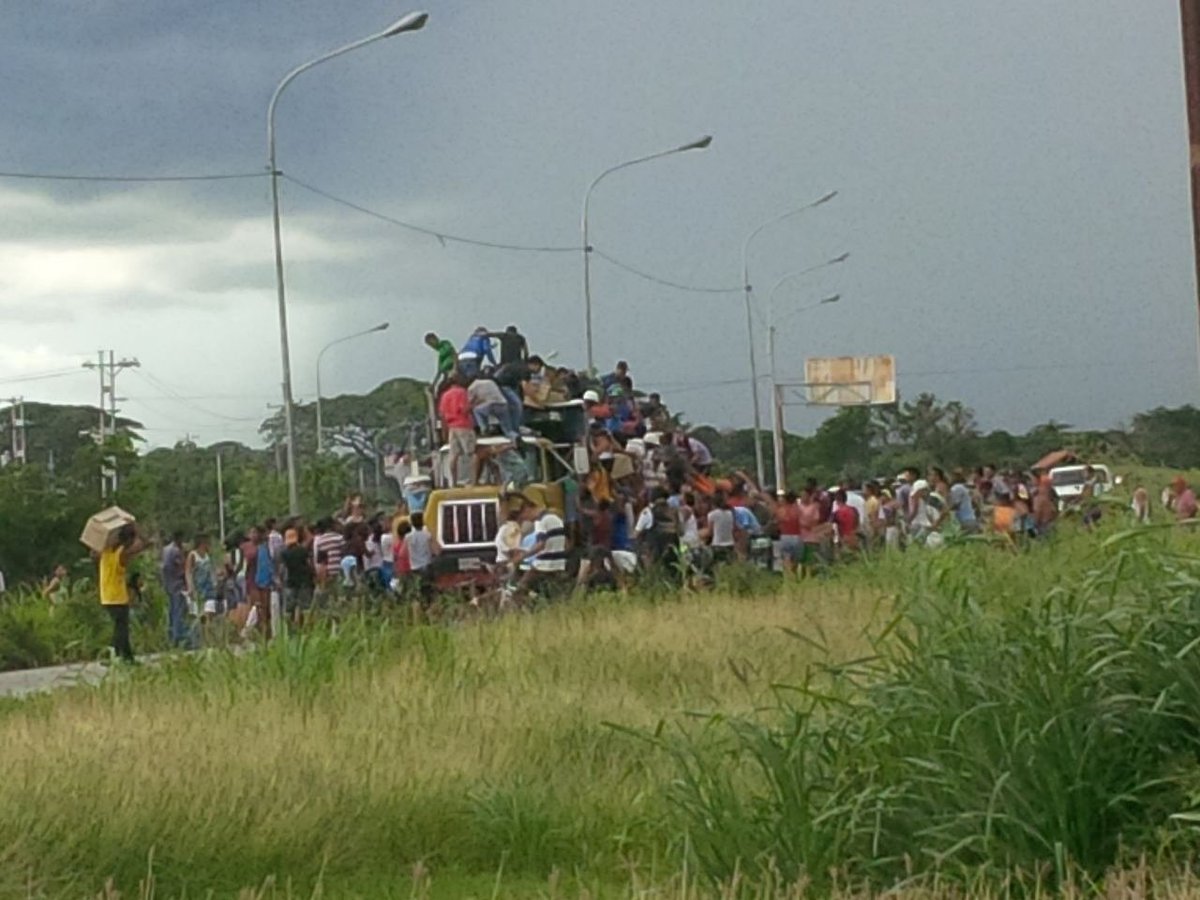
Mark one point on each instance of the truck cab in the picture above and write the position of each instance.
(1068, 482)
(465, 519)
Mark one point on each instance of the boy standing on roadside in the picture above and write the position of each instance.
(114, 588)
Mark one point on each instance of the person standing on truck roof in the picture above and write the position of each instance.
(510, 377)
(454, 409)
(475, 352)
(447, 358)
(488, 402)
(513, 346)
(616, 376)
(695, 451)
(568, 382)
(655, 414)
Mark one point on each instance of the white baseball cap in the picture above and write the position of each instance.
(920, 485)
(591, 397)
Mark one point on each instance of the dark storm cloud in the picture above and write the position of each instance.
(1013, 186)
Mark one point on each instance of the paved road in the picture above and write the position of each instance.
(32, 681)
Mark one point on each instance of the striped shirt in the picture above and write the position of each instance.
(553, 558)
(333, 545)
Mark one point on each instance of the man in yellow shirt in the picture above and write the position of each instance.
(114, 588)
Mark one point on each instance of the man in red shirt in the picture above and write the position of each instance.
(454, 409)
(1185, 500)
(845, 518)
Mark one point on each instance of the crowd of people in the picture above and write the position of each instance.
(648, 502)
(478, 392)
(664, 516)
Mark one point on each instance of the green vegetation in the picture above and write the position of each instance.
(45, 502)
(972, 721)
(36, 632)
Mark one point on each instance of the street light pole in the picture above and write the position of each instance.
(383, 326)
(746, 287)
(410, 22)
(776, 400)
(701, 144)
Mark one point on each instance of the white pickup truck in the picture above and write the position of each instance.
(1069, 481)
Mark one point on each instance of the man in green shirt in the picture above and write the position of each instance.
(447, 358)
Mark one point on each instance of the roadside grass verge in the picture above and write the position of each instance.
(364, 752)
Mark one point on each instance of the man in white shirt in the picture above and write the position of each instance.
(546, 557)
(720, 530)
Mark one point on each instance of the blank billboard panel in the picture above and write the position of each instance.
(850, 380)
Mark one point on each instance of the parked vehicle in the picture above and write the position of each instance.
(465, 519)
(1069, 481)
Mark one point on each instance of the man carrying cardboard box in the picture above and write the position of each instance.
(100, 532)
(114, 588)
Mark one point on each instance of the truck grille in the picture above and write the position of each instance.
(468, 523)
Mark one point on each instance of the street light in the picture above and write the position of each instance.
(411, 22)
(758, 454)
(776, 405)
(701, 144)
(383, 326)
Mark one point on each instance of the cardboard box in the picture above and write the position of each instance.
(101, 529)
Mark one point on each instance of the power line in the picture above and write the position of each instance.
(1032, 368)
(175, 395)
(227, 397)
(130, 179)
(442, 236)
(40, 376)
(698, 289)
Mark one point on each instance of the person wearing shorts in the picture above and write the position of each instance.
(454, 408)
(810, 528)
(299, 575)
(787, 518)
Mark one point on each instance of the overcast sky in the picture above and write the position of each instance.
(1012, 176)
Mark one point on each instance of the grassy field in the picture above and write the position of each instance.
(971, 721)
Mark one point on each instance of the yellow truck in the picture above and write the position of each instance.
(464, 519)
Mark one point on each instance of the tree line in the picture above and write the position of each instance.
(45, 502)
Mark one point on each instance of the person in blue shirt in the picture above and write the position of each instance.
(621, 537)
(475, 351)
(616, 376)
(745, 520)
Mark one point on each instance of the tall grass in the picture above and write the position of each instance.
(357, 755)
(1041, 733)
(971, 722)
(35, 632)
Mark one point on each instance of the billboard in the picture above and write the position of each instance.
(850, 380)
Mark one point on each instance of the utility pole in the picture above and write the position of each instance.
(17, 424)
(220, 499)
(1189, 16)
(108, 398)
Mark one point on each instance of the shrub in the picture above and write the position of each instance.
(1028, 734)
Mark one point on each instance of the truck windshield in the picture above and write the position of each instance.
(1068, 477)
